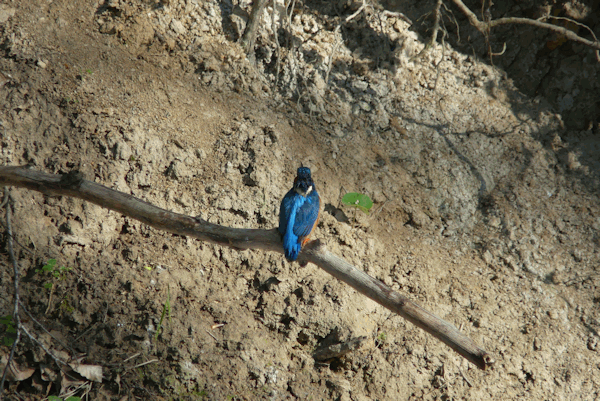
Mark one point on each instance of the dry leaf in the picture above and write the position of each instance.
(69, 380)
(90, 372)
(15, 372)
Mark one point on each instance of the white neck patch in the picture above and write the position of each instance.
(309, 190)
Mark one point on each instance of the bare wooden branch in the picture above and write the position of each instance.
(484, 27)
(436, 24)
(74, 185)
(249, 37)
(316, 253)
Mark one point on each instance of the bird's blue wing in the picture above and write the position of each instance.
(307, 215)
(285, 211)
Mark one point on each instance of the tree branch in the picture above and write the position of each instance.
(74, 185)
(484, 27)
(249, 36)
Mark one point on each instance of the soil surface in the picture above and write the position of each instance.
(485, 179)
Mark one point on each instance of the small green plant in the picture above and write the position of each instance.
(56, 273)
(9, 322)
(359, 201)
(166, 311)
(65, 305)
(381, 339)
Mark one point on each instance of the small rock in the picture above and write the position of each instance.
(592, 343)
(495, 222)
(188, 370)
(6, 13)
(487, 257)
(224, 203)
(61, 22)
(177, 27)
(239, 19)
(572, 162)
(178, 170)
(365, 106)
(200, 154)
(359, 86)
(123, 151)
(381, 89)
(42, 64)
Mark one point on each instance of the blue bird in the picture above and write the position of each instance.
(299, 214)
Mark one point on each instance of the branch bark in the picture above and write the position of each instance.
(249, 37)
(74, 185)
(484, 27)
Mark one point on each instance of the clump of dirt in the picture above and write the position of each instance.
(486, 204)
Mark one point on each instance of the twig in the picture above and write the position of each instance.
(436, 27)
(86, 385)
(6, 202)
(291, 14)
(484, 27)
(19, 327)
(453, 19)
(330, 62)
(436, 23)
(387, 13)
(74, 185)
(46, 330)
(84, 333)
(49, 307)
(145, 363)
(23, 247)
(43, 347)
(465, 377)
(131, 357)
(210, 334)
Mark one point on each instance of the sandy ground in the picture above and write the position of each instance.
(485, 182)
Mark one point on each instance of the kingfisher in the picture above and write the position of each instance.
(299, 213)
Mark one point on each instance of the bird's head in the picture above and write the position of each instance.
(303, 183)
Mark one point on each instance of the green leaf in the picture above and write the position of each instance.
(361, 201)
(73, 398)
(8, 341)
(6, 320)
(49, 265)
(47, 286)
(54, 398)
